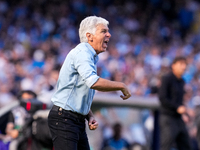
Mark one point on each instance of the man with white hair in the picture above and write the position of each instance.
(76, 86)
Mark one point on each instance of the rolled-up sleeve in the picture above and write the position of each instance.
(91, 80)
(84, 64)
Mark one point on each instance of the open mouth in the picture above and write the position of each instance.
(105, 45)
(106, 42)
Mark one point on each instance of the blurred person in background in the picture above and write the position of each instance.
(49, 86)
(17, 120)
(116, 142)
(172, 127)
(6, 97)
(196, 103)
(20, 130)
(76, 86)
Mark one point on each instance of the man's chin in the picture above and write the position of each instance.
(103, 50)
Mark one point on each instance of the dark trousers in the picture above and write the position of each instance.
(173, 130)
(198, 131)
(67, 130)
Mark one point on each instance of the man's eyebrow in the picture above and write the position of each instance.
(104, 29)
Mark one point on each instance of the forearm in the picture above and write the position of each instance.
(107, 85)
(92, 123)
(9, 128)
(90, 114)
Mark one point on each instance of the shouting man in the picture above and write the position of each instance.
(76, 86)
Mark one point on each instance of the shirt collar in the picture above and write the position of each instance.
(176, 77)
(96, 57)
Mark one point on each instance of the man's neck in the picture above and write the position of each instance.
(92, 47)
(178, 76)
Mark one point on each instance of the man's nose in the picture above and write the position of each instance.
(108, 34)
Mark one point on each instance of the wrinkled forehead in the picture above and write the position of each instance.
(102, 27)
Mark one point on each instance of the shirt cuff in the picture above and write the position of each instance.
(91, 80)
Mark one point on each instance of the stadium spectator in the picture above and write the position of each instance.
(116, 142)
(34, 40)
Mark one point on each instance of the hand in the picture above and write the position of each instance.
(181, 109)
(186, 118)
(14, 133)
(126, 93)
(92, 123)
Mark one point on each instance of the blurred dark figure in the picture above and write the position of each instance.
(172, 127)
(19, 122)
(20, 130)
(196, 102)
(41, 137)
(116, 142)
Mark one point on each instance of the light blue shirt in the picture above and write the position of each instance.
(78, 73)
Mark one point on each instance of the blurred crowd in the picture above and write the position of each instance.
(146, 35)
(36, 36)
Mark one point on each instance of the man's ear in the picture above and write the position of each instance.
(89, 37)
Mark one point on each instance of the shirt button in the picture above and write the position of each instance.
(65, 119)
(56, 123)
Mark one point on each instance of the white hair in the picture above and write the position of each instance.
(88, 25)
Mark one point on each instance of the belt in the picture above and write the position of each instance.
(60, 110)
